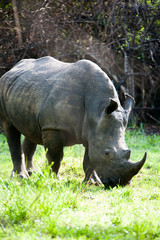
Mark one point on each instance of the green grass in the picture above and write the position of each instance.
(44, 208)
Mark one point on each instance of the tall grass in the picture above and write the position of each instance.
(43, 207)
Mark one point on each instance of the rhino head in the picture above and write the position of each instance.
(113, 166)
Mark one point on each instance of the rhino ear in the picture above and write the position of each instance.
(113, 105)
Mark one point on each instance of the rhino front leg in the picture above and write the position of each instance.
(54, 147)
(14, 143)
(29, 149)
(90, 174)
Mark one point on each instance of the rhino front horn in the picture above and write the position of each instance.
(136, 166)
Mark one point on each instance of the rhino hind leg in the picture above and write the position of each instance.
(54, 148)
(29, 149)
(14, 143)
(90, 174)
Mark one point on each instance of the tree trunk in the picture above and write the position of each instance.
(16, 18)
(128, 71)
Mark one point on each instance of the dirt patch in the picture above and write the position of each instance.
(152, 129)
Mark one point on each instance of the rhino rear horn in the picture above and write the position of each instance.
(127, 154)
(113, 105)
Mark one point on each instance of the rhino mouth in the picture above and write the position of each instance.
(110, 182)
(113, 182)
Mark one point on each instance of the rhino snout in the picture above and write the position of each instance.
(114, 181)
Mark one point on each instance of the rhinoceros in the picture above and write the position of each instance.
(57, 104)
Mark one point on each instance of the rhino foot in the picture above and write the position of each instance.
(31, 170)
(20, 175)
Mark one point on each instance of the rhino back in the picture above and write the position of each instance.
(80, 93)
(48, 94)
(38, 95)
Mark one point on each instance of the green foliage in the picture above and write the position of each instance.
(5, 4)
(43, 207)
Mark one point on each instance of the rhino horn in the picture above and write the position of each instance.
(128, 105)
(134, 167)
(127, 154)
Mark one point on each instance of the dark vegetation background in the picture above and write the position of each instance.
(122, 37)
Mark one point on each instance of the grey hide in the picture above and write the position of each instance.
(59, 104)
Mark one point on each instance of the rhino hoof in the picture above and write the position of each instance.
(20, 175)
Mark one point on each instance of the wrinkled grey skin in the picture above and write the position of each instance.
(58, 104)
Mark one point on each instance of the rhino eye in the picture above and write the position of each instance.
(106, 153)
